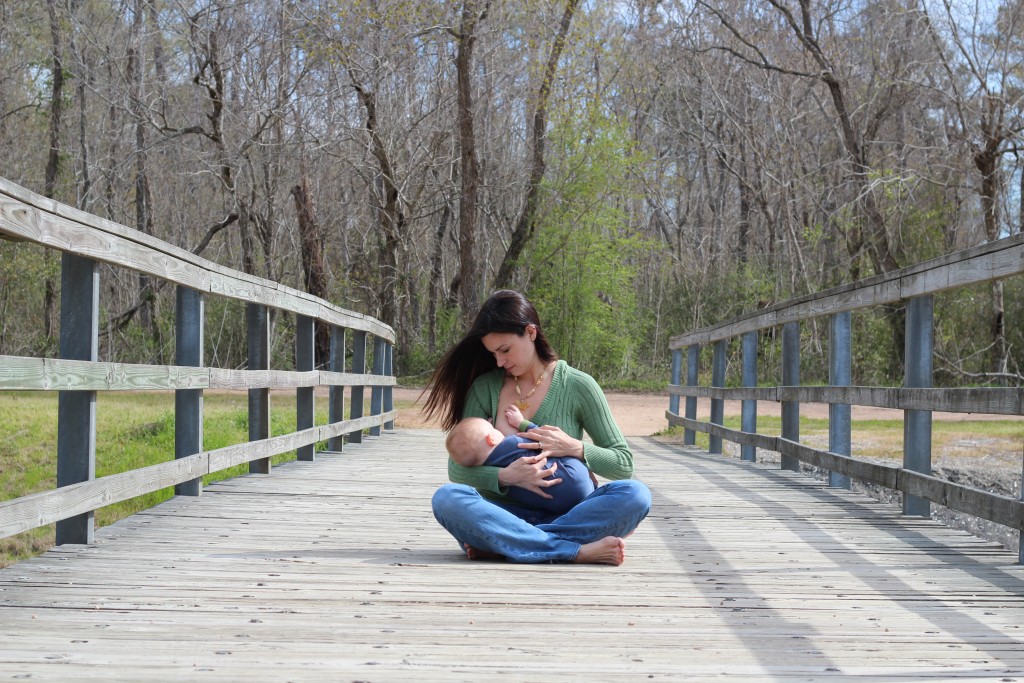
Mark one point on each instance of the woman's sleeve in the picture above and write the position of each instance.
(609, 455)
(481, 477)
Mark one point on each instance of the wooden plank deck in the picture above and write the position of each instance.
(336, 571)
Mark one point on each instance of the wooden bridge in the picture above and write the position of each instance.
(335, 570)
(331, 567)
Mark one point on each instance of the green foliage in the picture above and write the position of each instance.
(419, 359)
(23, 270)
(582, 262)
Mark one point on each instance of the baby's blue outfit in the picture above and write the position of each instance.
(576, 482)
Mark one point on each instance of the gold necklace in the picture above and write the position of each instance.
(522, 403)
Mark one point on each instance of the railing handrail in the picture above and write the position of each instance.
(989, 261)
(88, 240)
(27, 216)
(917, 398)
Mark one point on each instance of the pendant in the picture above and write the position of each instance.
(522, 404)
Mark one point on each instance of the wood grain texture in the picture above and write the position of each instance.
(335, 570)
(985, 400)
(26, 216)
(991, 261)
(991, 506)
(29, 512)
(54, 374)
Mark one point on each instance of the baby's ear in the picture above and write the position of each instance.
(492, 439)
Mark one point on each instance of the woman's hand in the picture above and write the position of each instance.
(529, 473)
(552, 442)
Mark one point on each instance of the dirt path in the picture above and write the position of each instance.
(644, 414)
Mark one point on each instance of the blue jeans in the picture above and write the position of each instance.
(531, 536)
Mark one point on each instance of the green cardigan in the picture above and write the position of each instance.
(575, 403)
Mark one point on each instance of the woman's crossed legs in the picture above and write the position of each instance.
(591, 532)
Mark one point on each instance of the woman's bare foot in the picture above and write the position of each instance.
(476, 554)
(609, 550)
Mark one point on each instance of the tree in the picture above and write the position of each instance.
(988, 110)
(526, 224)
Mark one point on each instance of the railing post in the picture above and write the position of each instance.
(1020, 534)
(717, 404)
(188, 403)
(377, 391)
(748, 415)
(305, 361)
(258, 320)
(358, 368)
(677, 376)
(917, 424)
(791, 378)
(389, 397)
(336, 401)
(840, 354)
(692, 377)
(76, 410)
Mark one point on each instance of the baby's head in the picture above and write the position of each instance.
(471, 440)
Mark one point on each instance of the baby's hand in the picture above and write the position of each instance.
(514, 415)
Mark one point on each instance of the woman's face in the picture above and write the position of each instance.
(514, 352)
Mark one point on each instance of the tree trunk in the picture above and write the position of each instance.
(391, 212)
(469, 261)
(436, 273)
(314, 273)
(53, 158)
(527, 222)
(987, 162)
(143, 194)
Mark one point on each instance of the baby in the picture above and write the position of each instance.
(474, 441)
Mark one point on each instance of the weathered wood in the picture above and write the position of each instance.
(985, 400)
(329, 571)
(55, 374)
(27, 216)
(994, 260)
(990, 506)
(40, 509)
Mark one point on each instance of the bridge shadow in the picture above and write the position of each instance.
(886, 583)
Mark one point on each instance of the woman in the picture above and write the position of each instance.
(566, 402)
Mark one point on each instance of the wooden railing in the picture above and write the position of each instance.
(917, 397)
(86, 241)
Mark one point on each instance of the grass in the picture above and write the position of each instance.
(132, 430)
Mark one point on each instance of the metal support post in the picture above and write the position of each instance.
(305, 354)
(336, 400)
(358, 368)
(389, 398)
(748, 412)
(677, 374)
(791, 378)
(188, 403)
(717, 404)
(840, 355)
(76, 410)
(692, 377)
(917, 424)
(377, 391)
(258, 319)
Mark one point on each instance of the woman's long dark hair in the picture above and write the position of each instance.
(504, 311)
